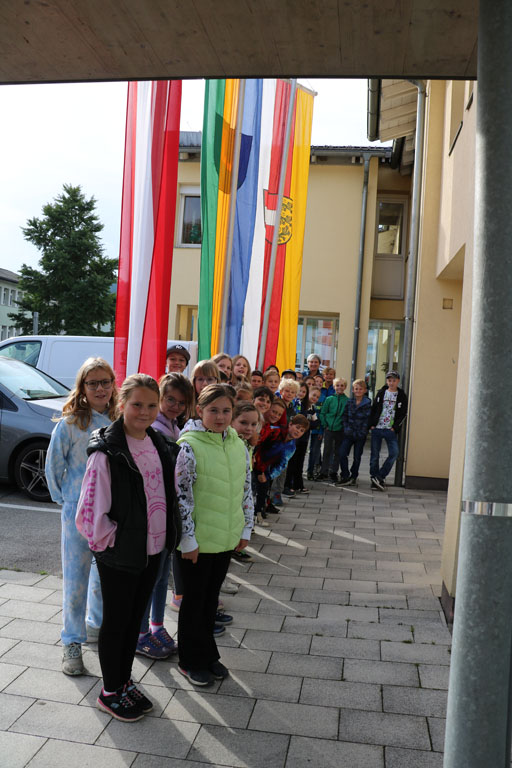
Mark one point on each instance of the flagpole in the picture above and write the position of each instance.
(232, 216)
(277, 224)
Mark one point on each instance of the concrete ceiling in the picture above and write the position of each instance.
(79, 40)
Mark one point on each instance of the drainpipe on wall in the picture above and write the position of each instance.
(359, 289)
(412, 268)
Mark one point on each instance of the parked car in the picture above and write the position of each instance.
(29, 400)
(62, 356)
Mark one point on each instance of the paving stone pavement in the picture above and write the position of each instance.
(339, 654)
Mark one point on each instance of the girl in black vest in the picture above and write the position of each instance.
(128, 513)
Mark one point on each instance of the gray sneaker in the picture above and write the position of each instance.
(72, 663)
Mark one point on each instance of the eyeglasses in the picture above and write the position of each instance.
(173, 402)
(104, 384)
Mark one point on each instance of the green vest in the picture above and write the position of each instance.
(221, 470)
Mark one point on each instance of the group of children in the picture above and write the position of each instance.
(171, 476)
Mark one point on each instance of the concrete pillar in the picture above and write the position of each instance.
(479, 712)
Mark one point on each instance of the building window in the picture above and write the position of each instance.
(12, 298)
(189, 230)
(186, 329)
(5, 298)
(3, 332)
(390, 239)
(318, 335)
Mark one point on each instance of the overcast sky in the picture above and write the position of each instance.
(52, 135)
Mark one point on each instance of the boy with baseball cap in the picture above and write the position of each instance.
(388, 414)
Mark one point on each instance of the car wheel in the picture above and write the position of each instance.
(29, 471)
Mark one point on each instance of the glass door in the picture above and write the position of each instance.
(384, 352)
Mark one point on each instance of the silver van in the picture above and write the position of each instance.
(62, 356)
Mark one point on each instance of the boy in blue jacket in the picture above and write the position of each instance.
(355, 428)
(271, 458)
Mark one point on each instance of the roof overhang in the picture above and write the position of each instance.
(87, 40)
(392, 108)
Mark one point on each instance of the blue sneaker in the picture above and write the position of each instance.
(218, 629)
(150, 646)
(166, 640)
(223, 619)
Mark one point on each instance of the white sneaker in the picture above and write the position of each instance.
(229, 588)
(72, 662)
(93, 634)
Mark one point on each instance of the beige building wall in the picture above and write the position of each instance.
(437, 314)
(331, 252)
(186, 261)
(459, 235)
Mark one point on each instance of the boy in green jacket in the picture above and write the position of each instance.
(331, 417)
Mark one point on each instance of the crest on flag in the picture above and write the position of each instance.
(285, 224)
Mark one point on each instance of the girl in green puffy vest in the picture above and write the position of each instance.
(213, 483)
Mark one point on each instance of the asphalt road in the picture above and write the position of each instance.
(29, 533)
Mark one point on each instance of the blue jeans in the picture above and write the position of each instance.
(80, 587)
(346, 445)
(156, 603)
(378, 435)
(315, 446)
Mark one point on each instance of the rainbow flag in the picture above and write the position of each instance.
(217, 161)
(284, 309)
(262, 146)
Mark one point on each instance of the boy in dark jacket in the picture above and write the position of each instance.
(355, 428)
(389, 411)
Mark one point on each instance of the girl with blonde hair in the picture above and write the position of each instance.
(241, 368)
(224, 364)
(91, 404)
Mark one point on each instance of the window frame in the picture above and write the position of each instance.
(391, 257)
(189, 190)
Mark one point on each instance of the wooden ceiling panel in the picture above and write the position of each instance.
(75, 40)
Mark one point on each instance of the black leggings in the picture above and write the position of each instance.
(201, 586)
(125, 596)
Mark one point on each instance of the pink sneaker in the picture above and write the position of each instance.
(176, 603)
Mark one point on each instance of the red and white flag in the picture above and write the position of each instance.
(147, 227)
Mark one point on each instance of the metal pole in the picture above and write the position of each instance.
(359, 289)
(412, 267)
(273, 252)
(232, 210)
(35, 323)
(479, 711)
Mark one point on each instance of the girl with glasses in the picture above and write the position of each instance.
(91, 404)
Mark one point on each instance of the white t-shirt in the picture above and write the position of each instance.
(387, 416)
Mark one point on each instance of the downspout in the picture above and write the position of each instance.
(359, 289)
(412, 267)
(373, 109)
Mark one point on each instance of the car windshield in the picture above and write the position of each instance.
(29, 383)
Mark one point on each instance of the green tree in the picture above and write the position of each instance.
(72, 289)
